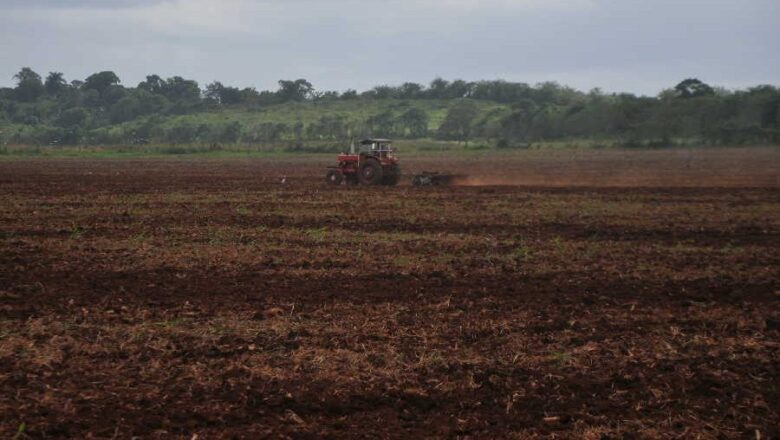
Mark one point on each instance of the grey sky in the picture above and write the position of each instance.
(640, 46)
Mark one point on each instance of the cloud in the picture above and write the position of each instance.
(225, 16)
(81, 4)
(481, 5)
(634, 45)
(169, 17)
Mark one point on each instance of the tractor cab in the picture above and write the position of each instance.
(380, 148)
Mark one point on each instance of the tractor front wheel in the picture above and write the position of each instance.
(370, 173)
(333, 177)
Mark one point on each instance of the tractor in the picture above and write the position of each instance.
(374, 164)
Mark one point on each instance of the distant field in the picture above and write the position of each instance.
(556, 293)
(355, 111)
(403, 146)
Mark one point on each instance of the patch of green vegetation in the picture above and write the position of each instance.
(731, 249)
(171, 323)
(557, 243)
(317, 234)
(137, 238)
(76, 231)
(20, 431)
(521, 253)
(443, 259)
(561, 357)
(402, 261)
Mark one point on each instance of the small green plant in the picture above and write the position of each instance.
(217, 237)
(561, 357)
(317, 234)
(557, 243)
(443, 259)
(137, 238)
(20, 431)
(433, 360)
(401, 261)
(730, 249)
(76, 232)
(172, 322)
(521, 253)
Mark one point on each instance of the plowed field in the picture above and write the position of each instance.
(599, 295)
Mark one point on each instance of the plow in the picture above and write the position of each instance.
(435, 178)
(375, 163)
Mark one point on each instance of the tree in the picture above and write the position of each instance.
(518, 124)
(55, 83)
(328, 127)
(230, 132)
(153, 84)
(298, 131)
(384, 92)
(410, 90)
(382, 124)
(550, 92)
(266, 132)
(112, 94)
(249, 94)
(73, 118)
(101, 81)
(691, 111)
(329, 95)
(415, 121)
(180, 89)
(27, 74)
(126, 109)
(458, 89)
(693, 88)
(349, 94)
(182, 132)
(175, 88)
(437, 88)
(212, 92)
(500, 91)
(457, 123)
(28, 85)
(222, 94)
(298, 90)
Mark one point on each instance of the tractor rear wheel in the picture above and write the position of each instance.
(370, 172)
(333, 177)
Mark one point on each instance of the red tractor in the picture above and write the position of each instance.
(374, 164)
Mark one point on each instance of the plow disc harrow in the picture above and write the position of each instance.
(428, 178)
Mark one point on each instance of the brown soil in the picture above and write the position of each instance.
(181, 298)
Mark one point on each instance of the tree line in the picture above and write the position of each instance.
(100, 110)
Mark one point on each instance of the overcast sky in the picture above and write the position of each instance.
(639, 46)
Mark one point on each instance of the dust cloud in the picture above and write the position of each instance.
(700, 167)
